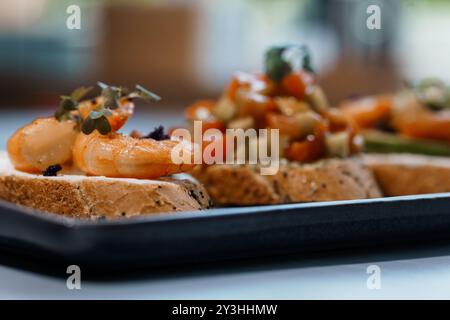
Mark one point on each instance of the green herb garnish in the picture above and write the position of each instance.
(98, 118)
(147, 94)
(93, 122)
(276, 66)
(280, 61)
(80, 93)
(70, 103)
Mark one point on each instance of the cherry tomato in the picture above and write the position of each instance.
(296, 83)
(201, 111)
(311, 149)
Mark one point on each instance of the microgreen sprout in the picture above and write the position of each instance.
(98, 117)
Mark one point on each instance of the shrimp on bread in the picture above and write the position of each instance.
(85, 134)
(104, 173)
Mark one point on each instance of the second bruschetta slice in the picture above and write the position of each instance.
(317, 147)
(406, 137)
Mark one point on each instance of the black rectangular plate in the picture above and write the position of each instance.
(224, 233)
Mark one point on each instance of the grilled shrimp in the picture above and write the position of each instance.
(42, 143)
(117, 155)
(47, 141)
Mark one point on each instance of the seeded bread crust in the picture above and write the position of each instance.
(326, 180)
(94, 197)
(409, 174)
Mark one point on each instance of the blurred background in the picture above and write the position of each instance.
(188, 49)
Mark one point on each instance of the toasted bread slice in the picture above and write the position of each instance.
(409, 174)
(326, 180)
(92, 197)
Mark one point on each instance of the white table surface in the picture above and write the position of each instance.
(422, 273)
(335, 277)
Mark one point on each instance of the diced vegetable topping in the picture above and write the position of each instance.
(286, 98)
(421, 112)
(368, 112)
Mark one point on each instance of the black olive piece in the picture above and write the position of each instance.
(52, 171)
(157, 134)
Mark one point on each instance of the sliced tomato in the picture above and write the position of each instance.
(255, 105)
(288, 126)
(233, 88)
(367, 112)
(258, 83)
(215, 124)
(200, 110)
(296, 83)
(308, 150)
